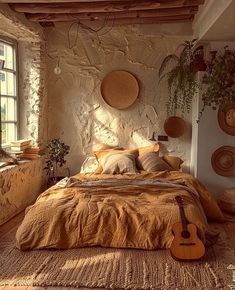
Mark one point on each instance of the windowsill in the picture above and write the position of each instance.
(20, 163)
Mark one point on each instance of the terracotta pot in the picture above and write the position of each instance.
(213, 54)
(198, 63)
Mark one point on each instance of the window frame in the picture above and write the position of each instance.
(14, 44)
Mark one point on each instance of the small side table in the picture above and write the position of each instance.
(227, 200)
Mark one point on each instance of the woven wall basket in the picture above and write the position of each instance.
(120, 89)
(223, 161)
(174, 126)
(226, 118)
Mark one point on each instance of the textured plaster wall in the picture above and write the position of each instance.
(32, 91)
(76, 111)
(19, 187)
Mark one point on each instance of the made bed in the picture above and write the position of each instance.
(122, 210)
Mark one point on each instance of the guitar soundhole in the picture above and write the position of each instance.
(185, 234)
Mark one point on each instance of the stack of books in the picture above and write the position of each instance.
(18, 147)
(32, 153)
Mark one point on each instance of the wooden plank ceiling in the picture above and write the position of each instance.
(119, 12)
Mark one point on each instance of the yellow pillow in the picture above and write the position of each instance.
(102, 146)
(174, 161)
(147, 149)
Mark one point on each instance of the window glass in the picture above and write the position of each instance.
(8, 85)
(8, 92)
(8, 106)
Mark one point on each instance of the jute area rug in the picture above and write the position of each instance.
(118, 268)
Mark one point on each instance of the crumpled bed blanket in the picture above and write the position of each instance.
(125, 211)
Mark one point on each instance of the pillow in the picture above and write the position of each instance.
(102, 146)
(101, 153)
(174, 161)
(152, 162)
(151, 148)
(89, 165)
(118, 163)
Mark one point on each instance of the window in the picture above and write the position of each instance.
(8, 91)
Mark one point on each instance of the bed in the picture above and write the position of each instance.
(121, 210)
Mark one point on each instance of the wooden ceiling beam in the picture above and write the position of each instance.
(146, 20)
(52, 1)
(107, 6)
(46, 17)
(130, 20)
(85, 7)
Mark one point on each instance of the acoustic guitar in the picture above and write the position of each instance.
(186, 245)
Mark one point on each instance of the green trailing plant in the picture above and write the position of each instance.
(57, 151)
(181, 78)
(219, 80)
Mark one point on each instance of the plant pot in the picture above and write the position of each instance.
(52, 180)
(198, 64)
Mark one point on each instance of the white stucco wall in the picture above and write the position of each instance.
(208, 137)
(76, 111)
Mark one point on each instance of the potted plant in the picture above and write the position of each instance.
(181, 78)
(220, 80)
(57, 151)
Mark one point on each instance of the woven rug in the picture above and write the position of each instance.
(118, 268)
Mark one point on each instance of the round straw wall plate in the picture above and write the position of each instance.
(119, 89)
(174, 126)
(223, 161)
(226, 119)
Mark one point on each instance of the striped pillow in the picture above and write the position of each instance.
(151, 162)
(118, 164)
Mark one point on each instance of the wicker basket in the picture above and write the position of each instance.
(227, 200)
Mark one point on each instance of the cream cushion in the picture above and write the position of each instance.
(227, 200)
(118, 164)
(89, 165)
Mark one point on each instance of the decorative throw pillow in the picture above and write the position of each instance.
(151, 148)
(89, 165)
(104, 153)
(103, 146)
(101, 153)
(151, 162)
(118, 164)
(174, 161)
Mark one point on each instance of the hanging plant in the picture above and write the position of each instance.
(219, 80)
(181, 78)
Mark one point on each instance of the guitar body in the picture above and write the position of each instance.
(186, 249)
(186, 245)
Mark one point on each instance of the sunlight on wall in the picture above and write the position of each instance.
(106, 128)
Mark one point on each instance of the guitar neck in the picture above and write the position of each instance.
(183, 217)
